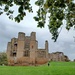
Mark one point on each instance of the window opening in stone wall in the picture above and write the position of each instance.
(32, 47)
(15, 44)
(26, 53)
(14, 54)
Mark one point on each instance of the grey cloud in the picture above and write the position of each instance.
(10, 29)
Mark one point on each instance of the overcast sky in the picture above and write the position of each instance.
(10, 29)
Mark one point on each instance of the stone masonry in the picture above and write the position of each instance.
(24, 50)
(58, 56)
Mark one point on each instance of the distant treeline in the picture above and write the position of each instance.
(3, 58)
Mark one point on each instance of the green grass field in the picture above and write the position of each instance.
(55, 68)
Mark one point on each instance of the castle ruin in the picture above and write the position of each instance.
(58, 56)
(24, 50)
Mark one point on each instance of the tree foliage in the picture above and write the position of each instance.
(55, 10)
(3, 58)
(7, 5)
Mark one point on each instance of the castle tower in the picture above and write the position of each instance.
(13, 45)
(33, 47)
(33, 36)
(24, 50)
(46, 48)
(8, 51)
(46, 45)
(20, 47)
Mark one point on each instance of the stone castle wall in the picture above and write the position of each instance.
(24, 50)
(57, 56)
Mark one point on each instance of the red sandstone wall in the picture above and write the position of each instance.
(41, 60)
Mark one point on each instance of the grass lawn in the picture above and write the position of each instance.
(55, 68)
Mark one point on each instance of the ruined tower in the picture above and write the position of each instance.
(24, 50)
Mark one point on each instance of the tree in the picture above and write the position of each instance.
(57, 10)
(3, 58)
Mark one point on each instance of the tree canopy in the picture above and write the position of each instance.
(3, 58)
(57, 10)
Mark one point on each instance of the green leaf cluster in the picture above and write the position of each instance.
(3, 58)
(53, 10)
(23, 5)
(57, 11)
